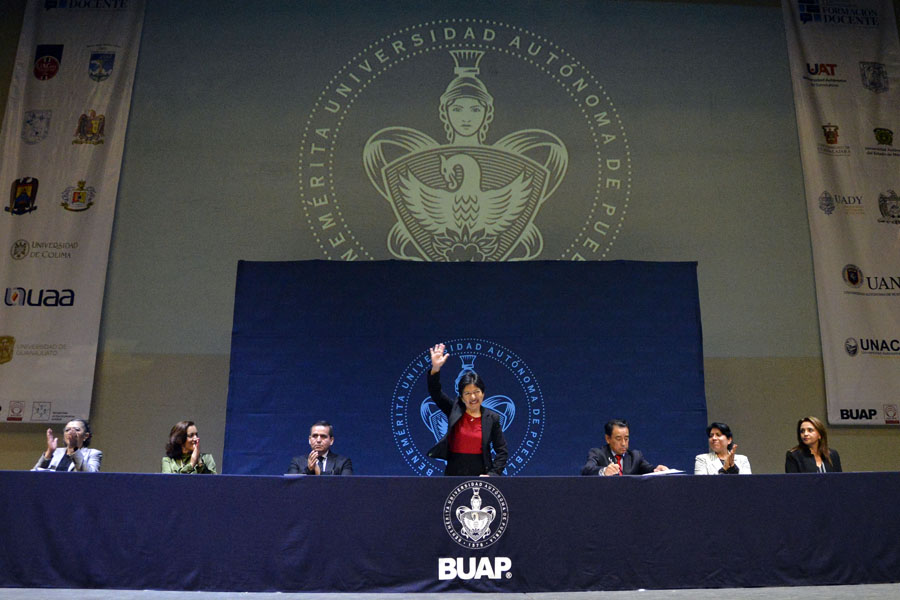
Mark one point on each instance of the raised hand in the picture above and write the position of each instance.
(729, 458)
(52, 444)
(438, 357)
(312, 462)
(195, 455)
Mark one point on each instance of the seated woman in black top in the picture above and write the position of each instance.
(812, 454)
(471, 429)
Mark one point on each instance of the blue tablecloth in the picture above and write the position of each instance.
(354, 534)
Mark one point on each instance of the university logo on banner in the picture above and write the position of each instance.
(36, 126)
(23, 196)
(874, 77)
(78, 198)
(101, 63)
(889, 206)
(7, 348)
(513, 392)
(47, 60)
(448, 183)
(838, 13)
(90, 128)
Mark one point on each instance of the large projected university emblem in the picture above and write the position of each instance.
(464, 200)
(464, 140)
(417, 423)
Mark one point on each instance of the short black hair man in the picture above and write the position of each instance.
(321, 460)
(615, 458)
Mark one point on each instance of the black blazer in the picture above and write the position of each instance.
(491, 430)
(335, 465)
(801, 460)
(633, 462)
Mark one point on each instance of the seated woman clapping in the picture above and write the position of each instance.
(183, 452)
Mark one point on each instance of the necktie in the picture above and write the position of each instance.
(321, 464)
(64, 463)
(619, 462)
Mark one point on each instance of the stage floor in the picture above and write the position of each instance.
(888, 591)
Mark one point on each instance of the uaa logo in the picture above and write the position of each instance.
(417, 423)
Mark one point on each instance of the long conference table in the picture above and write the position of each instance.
(411, 534)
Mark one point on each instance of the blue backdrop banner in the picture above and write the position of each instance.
(563, 347)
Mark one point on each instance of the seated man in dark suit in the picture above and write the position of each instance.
(615, 458)
(321, 460)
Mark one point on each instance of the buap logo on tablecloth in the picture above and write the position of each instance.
(449, 186)
(475, 516)
(512, 389)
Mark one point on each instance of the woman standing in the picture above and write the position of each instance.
(183, 452)
(812, 454)
(471, 429)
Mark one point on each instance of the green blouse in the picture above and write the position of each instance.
(206, 464)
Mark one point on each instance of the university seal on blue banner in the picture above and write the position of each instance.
(512, 390)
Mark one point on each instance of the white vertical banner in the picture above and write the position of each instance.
(60, 157)
(845, 66)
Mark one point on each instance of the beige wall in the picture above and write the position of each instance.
(137, 397)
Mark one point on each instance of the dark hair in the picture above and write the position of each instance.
(608, 428)
(87, 430)
(177, 438)
(819, 426)
(469, 378)
(723, 427)
(323, 424)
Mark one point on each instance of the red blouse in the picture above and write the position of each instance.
(466, 436)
